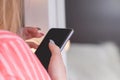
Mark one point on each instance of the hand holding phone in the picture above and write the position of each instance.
(60, 36)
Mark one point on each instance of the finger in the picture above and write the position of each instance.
(32, 45)
(56, 68)
(37, 35)
(28, 31)
(38, 28)
(55, 50)
(34, 31)
(31, 29)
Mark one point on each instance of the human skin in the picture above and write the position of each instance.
(29, 33)
(56, 68)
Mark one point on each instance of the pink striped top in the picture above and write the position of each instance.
(17, 62)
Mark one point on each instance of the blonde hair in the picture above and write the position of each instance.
(11, 14)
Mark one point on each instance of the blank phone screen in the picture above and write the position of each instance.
(59, 36)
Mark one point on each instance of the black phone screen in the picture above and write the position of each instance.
(59, 36)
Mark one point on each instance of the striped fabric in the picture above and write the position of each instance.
(17, 62)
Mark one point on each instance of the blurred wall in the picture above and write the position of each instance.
(36, 13)
(94, 21)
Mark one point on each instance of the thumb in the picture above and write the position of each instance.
(56, 68)
(55, 50)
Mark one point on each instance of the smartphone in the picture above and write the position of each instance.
(60, 36)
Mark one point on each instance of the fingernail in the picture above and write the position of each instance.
(39, 31)
(51, 41)
(38, 28)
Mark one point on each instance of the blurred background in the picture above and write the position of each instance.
(94, 21)
(93, 52)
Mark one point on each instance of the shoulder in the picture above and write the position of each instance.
(4, 32)
(20, 61)
(7, 35)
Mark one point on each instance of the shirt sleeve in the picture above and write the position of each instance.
(17, 60)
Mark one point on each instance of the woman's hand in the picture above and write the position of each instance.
(56, 68)
(29, 33)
